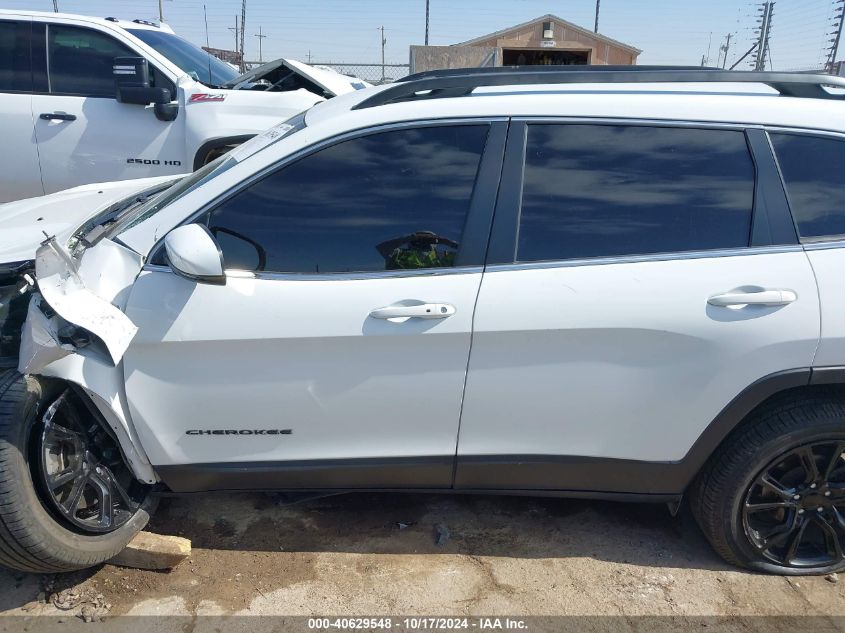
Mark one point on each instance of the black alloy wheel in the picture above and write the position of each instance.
(794, 510)
(81, 472)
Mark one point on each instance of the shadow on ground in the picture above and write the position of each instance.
(269, 541)
(389, 523)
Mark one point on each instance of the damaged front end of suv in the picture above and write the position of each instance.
(16, 279)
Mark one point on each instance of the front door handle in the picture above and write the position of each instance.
(57, 116)
(753, 298)
(420, 311)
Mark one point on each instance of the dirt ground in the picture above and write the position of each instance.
(378, 554)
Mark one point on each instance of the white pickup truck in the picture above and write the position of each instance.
(85, 99)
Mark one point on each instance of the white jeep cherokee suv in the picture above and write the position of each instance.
(616, 283)
(86, 99)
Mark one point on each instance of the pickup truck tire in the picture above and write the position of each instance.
(32, 537)
(778, 478)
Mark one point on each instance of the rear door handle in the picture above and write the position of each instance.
(421, 311)
(57, 116)
(758, 298)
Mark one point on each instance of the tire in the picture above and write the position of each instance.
(32, 537)
(729, 498)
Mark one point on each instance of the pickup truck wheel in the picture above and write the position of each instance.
(67, 499)
(773, 498)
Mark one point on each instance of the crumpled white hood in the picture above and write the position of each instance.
(23, 223)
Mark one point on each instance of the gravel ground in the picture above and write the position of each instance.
(378, 554)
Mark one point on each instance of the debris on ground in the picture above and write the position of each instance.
(154, 552)
(441, 534)
(89, 604)
(399, 525)
(834, 578)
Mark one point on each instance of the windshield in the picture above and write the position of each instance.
(210, 171)
(200, 65)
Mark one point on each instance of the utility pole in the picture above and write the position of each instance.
(236, 30)
(837, 37)
(260, 38)
(724, 48)
(56, 6)
(160, 10)
(243, 33)
(383, 43)
(427, 2)
(598, 6)
(309, 55)
(763, 41)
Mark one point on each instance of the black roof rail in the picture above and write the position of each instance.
(461, 82)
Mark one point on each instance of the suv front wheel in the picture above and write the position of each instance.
(773, 497)
(67, 499)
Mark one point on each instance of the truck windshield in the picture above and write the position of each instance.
(200, 65)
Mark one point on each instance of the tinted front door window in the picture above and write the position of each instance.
(609, 190)
(80, 61)
(389, 201)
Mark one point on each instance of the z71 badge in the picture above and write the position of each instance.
(202, 96)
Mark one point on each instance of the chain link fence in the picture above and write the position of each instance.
(373, 73)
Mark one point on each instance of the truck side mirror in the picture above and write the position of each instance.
(132, 85)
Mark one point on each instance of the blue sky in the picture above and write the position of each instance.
(668, 31)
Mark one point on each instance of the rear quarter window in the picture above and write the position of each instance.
(813, 170)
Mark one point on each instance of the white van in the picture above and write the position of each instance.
(71, 115)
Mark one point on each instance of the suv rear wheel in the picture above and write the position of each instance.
(773, 497)
(67, 499)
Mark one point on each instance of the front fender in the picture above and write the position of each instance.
(73, 303)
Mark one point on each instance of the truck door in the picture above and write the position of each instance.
(21, 177)
(84, 134)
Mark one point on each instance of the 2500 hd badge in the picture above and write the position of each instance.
(153, 161)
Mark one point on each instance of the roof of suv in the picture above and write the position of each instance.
(649, 93)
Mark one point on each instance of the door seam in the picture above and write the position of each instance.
(475, 306)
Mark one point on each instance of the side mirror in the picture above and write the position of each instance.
(132, 85)
(193, 253)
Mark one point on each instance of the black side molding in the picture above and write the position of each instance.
(828, 376)
(334, 474)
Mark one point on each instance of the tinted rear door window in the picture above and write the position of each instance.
(15, 71)
(814, 171)
(612, 190)
(388, 201)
